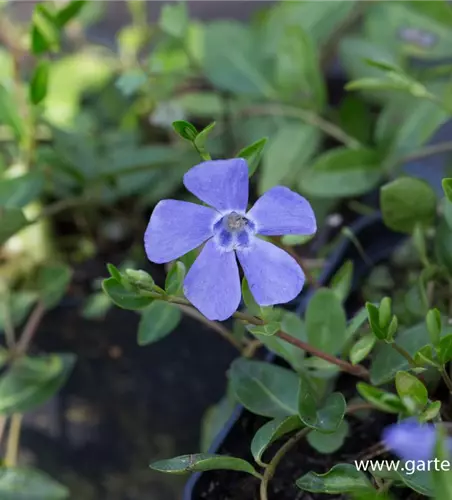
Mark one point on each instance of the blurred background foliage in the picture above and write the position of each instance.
(346, 92)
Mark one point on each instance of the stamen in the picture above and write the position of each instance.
(235, 221)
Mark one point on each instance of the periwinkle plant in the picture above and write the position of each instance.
(403, 363)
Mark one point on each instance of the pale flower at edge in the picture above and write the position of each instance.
(212, 284)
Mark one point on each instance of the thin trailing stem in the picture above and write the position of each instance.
(446, 378)
(10, 335)
(278, 456)
(30, 329)
(403, 352)
(12, 446)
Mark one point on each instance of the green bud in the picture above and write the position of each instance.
(140, 279)
(392, 329)
(384, 314)
(433, 320)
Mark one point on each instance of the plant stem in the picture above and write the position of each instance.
(434, 149)
(30, 329)
(446, 378)
(271, 469)
(12, 446)
(357, 370)
(307, 116)
(218, 327)
(10, 335)
(404, 353)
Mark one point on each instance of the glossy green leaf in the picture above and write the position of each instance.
(411, 391)
(426, 356)
(361, 348)
(12, 220)
(9, 112)
(69, 11)
(25, 483)
(326, 321)
(53, 281)
(201, 462)
(271, 431)
(445, 349)
(373, 314)
(30, 382)
(384, 401)
(341, 282)
(263, 388)
(433, 320)
(328, 443)
(114, 272)
(175, 279)
(447, 188)
(123, 297)
(252, 154)
(342, 478)
(39, 82)
(185, 129)
(406, 202)
(157, 321)
(342, 172)
(323, 416)
(17, 192)
(201, 139)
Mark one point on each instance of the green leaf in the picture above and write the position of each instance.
(341, 282)
(431, 411)
(443, 245)
(201, 139)
(175, 279)
(287, 152)
(373, 313)
(264, 389)
(12, 220)
(433, 320)
(53, 281)
(131, 81)
(114, 272)
(324, 417)
(9, 113)
(31, 381)
(445, 349)
(384, 401)
(250, 303)
(185, 129)
(271, 431)
(123, 297)
(157, 321)
(25, 483)
(214, 419)
(252, 154)
(45, 35)
(201, 462)
(69, 11)
(20, 304)
(328, 443)
(387, 362)
(268, 329)
(406, 202)
(411, 391)
(326, 321)
(362, 348)
(441, 479)
(356, 118)
(356, 322)
(426, 356)
(17, 192)
(447, 188)
(342, 478)
(39, 82)
(342, 172)
(237, 70)
(174, 19)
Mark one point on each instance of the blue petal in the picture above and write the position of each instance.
(213, 283)
(274, 277)
(175, 228)
(282, 211)
(411, 440)
(223, 184)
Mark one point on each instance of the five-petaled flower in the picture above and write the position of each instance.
(411, 440)
(212, 284)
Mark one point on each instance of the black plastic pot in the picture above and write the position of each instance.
(378, 243)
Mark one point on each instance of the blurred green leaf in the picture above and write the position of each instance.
(342, 478)
(287, 153)
(52, 282)
(384, 401)
(411, 391)
(443, 245)
(326, 321)
(328, 443)
(230, 61)
(341, 282)
(96, 306)
(441, 479)
(39, 82)
(30, 381)
(20, 483)
(271, 431)
(123, 297)
(9, 112)
(131, 81)
(263, 388)
(406, 202)
(45, 35)
(445, 349)
(447, 188)
(202, 462)
(434, 326)
(342, 172)
(175, 279)
(355, 118)
(201, 139)
(69, 11)
(17, 192)
(361, 348)
(252, 154)
(214, 420)
(431, 411)
(252, 306)
(20, 304)
(157, 321)
(174, 19)
(12, 220)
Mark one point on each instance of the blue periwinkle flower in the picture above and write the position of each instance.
(212, 284)
(411, 440)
